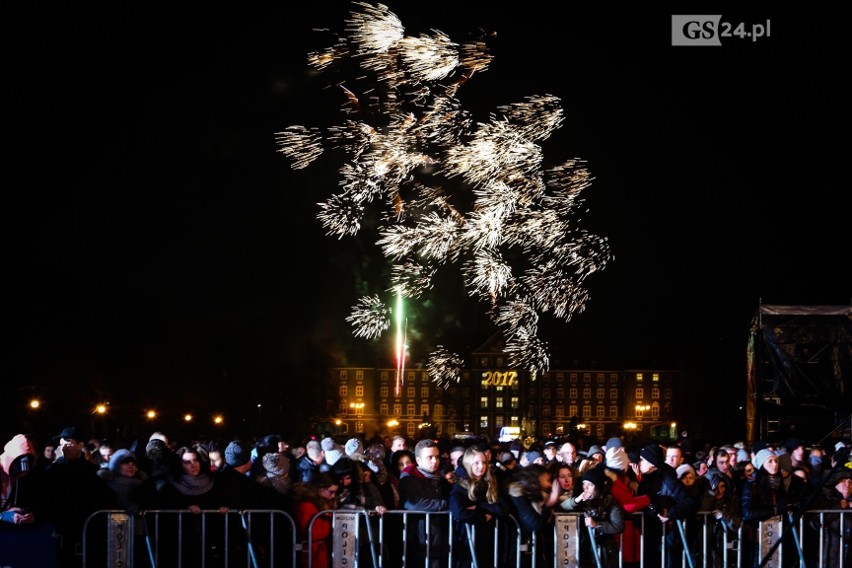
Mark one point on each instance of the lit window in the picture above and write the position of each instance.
(613, 377)
(344, 374)
(639, 377)
(411, 427)
(410, 409)
(560, 377)
(572, 393)
(572, 377)
(587, 377)
(383, 409)
(483, 421)
(560, 393)
(344, 390)
(640, 393)
(410, 392)
(587, 393)
(439, 410)
(600, 411)
(599, 377)
(424, 410)
(613, 412)
(359, 426)
(342, 408)
(587, 411)
(498, 402)
(613, 394)
(655, 410)
(572, 410)
(655, 377)
(560, 411)
(600, 393)
(383, 392)
(359, 391)
(359, 376)
(383, 375)
(498, 421)
(655, 393)
(514, 402)
(424, 392)
(483, 402)
(397, 409)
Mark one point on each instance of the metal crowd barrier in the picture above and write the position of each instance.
(252, 538)
(363, 538)
(268, 538)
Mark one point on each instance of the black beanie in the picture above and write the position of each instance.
(596, 476)
(652, 453)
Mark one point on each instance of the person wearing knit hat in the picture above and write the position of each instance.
(125, 480)
(333, 451)
(602, 515)
(618, 469)
(670, 501)
(614, 442)
(685, 469)
(532, 456)
(653, 454)
(354, 449)
(308, 465)
(765, 495)
(595, 476)
(237, 454)
(761, 457)
(616, 459)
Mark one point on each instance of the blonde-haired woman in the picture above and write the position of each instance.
(474, 505)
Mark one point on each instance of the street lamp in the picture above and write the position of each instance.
(357, 407)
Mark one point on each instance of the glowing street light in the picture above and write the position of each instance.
(218, 420)
(151, 414)
(187, 417)
(35, 403)
(101, 408)
(357, 407)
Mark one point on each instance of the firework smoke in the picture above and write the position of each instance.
(450, 191)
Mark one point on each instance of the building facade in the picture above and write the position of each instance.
(492, 399)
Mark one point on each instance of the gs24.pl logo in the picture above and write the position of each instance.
(711, 30)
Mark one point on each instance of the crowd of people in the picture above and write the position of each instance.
(635, 497)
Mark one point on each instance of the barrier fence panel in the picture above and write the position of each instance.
(412, 539)
(256, 538)
(417, 539)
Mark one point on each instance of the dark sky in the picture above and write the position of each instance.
(155, 239)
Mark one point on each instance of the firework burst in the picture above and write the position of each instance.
(451, 192)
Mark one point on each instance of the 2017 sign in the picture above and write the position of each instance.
(498, 379)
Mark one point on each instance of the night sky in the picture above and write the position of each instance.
(158, 246)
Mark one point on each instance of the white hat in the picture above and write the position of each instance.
(839, 445)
